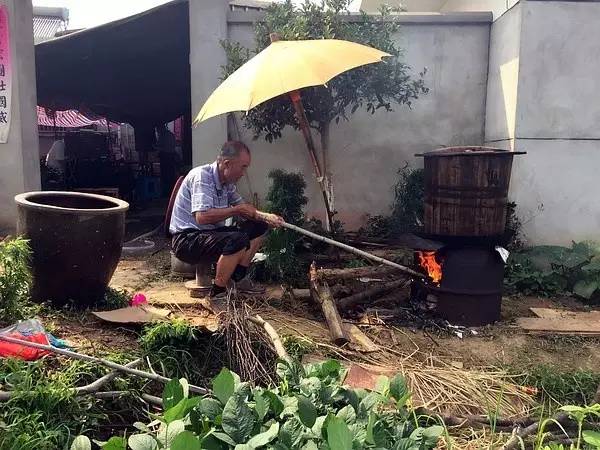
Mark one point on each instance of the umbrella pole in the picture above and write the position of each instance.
(310, 144)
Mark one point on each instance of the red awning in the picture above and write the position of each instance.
(68, 119)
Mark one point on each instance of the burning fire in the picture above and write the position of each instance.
(428, 261)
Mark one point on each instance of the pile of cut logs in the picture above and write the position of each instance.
(326, 291)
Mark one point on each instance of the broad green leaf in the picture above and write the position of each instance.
(172, 394)
(592, 438)
(210, 408)
(261, 406)
(306, 411)
(186, 387)
(406, 444)
(368, 403)
(167, 432)
(399, 389)
(310, 445)
(311, 386)
(290, 406)
(186, 441)
(181, 409)
(210, 442)
(275, 404)
(225, 438)
(81, 443)
(264, 438)
(585, 288)
(338, 435)
(142, 442)
(290, 434)
(141, 426)
(244, 447)
(347, 414)
(351, 396)
(383, 385)
(317, 428)
(238, 419)
(431, 435)
(115, 443)
(223, 385)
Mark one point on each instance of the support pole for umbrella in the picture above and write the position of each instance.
(310, 144)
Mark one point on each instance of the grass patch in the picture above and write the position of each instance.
(45, 414)
(560, 387)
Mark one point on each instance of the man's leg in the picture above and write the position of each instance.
(225, 267)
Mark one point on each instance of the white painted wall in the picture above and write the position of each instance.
(558, 121)
(19, 163)
(368, 150)
(503, 77)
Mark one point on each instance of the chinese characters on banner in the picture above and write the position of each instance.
(5, 75)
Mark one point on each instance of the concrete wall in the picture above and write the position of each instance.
(367, 151)
(19, 163)
(557, 121)
(497, 7)
(208, 27)
(503, 79)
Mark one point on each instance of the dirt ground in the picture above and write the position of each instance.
(500, 344)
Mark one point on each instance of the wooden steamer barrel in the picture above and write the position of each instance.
(466, 191)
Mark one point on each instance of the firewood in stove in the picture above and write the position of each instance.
(321, 294)
(369, 294)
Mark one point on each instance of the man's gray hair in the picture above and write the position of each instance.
(232, 149)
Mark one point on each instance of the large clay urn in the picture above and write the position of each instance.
(76, 241)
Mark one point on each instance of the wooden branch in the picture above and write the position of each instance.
(322, 295)
(520, 434)
(364, 296)
(110, 395)
(91, 388)
(356, 272)
(93, 359)
(272, 333)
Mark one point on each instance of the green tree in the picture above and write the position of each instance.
(372, 87)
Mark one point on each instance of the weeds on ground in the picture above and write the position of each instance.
(559, 387)
(552, 270)
(44, 412)
(177, 349)
(297, 346)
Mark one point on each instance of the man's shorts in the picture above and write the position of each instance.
(192, 246)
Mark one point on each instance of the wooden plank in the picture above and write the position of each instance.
(551, 313)
(560, 325)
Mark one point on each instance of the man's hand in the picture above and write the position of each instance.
(246, 210)
(271, 219)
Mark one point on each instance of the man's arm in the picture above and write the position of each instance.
(215, 215)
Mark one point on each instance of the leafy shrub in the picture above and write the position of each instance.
(15, 278)
(309, 409)
(552, 270)
(285, 198)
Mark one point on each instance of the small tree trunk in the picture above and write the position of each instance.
(324, 128)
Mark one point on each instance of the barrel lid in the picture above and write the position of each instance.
(472, 150)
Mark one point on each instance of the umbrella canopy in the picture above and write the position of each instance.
(286, 66)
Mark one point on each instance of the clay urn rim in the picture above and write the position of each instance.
(27, 199)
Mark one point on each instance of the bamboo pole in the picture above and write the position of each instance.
(353, 250)
(103, 362)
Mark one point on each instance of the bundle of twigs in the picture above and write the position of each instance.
(250, 351)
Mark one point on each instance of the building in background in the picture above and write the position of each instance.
(48, 21)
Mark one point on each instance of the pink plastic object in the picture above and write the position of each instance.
(138, 299)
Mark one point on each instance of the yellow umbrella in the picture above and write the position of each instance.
(284, 67)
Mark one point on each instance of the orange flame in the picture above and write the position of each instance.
(428, 261)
